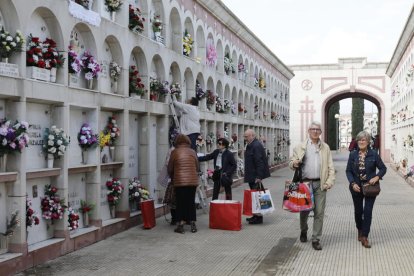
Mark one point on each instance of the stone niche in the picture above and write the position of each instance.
(35, 192)
(76, 193)
(103, 204)
(39, 118)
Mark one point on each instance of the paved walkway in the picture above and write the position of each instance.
(269, 249)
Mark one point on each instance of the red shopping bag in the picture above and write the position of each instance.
(225, 215)
(247, 202)
(148, 213)
(298, 197)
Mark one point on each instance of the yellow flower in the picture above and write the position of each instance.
(104, 139)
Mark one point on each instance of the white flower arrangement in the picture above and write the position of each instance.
(113, 5)
(10, 44)
(114, 70)
(55, 142)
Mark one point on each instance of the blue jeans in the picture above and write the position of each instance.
(363, 214)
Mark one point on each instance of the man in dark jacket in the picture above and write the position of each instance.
(224, 167)
(256, 167)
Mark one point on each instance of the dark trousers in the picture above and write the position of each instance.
(216, 191)
(193, 138)
(363, 212)
(185, 202)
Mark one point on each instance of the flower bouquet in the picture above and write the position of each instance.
(135, 82)
(137, 192)
(31, 217)
(73, 219)
(200, 93)
(113, 5)
(53, 207)
(219, 105)
(10, 44)
(228, 64)
(86, 138)
(157, 24)
(74, 64)
(56, 142)
(51, 54)
(34, 53)
(211, 58)
(175, 89)
(226, 106)
(114, 71)
(240, 67)
(136, 21)
(13, 137)
(90, 67)
(114, 193)
(187, 43)
(211, 99)
(113, 130)
(156, 89)
(262, 82)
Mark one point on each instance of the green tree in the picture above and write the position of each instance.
(331, 130)
(357, 115)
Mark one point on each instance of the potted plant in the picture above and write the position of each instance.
(55, 144)
(52, 57)
(86, 140)
(85, 209)
(31, 216)
(73, 219)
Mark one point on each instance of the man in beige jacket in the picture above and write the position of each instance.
(315, 159)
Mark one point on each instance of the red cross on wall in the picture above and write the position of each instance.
(306, 116)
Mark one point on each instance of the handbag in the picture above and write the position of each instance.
(298, 196)
(371, 190)
(225, 215)
(262, 202)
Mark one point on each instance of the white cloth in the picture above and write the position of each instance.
(83, 14)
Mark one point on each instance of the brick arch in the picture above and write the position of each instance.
(366, 95)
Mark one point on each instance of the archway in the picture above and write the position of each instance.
(329, 101)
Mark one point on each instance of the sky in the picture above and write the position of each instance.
(321, 31)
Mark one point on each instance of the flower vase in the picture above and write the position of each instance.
(136, 96)
(53, 71)
(4, 245)
(3, 163)
(113, 16)
(114, 86)
(85, 218)
(50, 159)
(90, 84)
(5, 60)
(112, 211)
(112, 153)
(84, 157)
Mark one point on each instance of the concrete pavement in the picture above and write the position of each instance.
(269, 249)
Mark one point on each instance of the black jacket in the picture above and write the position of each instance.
(229, 165)
(255, 162)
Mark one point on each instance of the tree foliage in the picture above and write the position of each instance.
(357, 116)
(331, 130)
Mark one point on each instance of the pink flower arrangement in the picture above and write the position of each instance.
(114, 192)
(75, 65)
(90, 66)
(53, 207)
(112, 129)
(211, 55)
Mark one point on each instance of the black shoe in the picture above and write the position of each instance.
(250, 219)
(193, 227)
(256, 220)
(316, 245)
(179, 229)
(303, 237)
(173, 222)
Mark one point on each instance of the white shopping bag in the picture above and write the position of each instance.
(262, 202)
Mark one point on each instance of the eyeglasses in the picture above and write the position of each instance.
(315, 129)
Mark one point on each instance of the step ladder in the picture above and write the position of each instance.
(200, 198)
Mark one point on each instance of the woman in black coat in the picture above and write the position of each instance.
(224, 167)
(361, 170)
